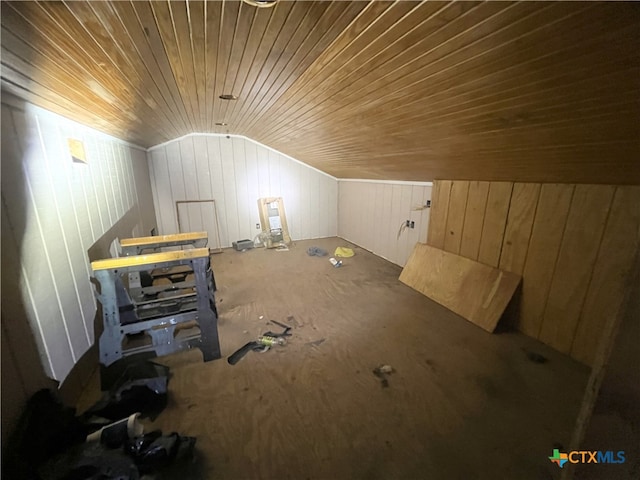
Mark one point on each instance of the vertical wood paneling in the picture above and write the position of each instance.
(53, 212)
(544, 245)
(580, 244)
(474, 219)
(572, 244)
(439, 211)
(610, 277)
(455, 216)
(522, 209)
(494, 222)
(371, 214)
(235, 172)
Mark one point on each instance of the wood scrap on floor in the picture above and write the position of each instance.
(477, 292)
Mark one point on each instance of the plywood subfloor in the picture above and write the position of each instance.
(462, 403)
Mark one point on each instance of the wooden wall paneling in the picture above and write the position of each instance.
(57, 210)
(141, 182)
(99, 182)
(379, 207)
(544, 245)
(416, 194)
(439, 211)
(455, 216)
(251, 162)
(22, 232)
(522, 210)
(474, 219)
(396, 219)
(218, 187)
(494, 222)
(229, 179)
(235, 172)
(582, 237)
(39, 171)
(611, 273)
(474, 291)
(187, 162)
(245, 229)
(164, 195)
(203, 180)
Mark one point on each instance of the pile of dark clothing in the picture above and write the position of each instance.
(106, 442)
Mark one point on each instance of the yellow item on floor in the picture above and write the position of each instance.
(343, 252)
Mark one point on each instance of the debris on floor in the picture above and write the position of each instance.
(316, 251)
(242, 245)
(52, 443)
(129, 460)
(142, 387)
(535, 357)
(263, 343)
(382, 372)
(335, 263)
(344, 252)
(316, 343)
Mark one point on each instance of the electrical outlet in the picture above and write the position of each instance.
(428, 205)
(257, 226)
(413, 224)
(408, 223)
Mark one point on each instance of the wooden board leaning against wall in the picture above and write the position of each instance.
(573, 244)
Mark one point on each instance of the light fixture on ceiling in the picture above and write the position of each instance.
(261, 3)
(228, 96)
(221, 124)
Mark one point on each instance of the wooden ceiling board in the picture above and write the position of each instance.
(525, 91)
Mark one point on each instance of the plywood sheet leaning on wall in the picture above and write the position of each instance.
(479, 293)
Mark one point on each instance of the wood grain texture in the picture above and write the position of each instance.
(544, 245)
(495, 219)
(501, 91)
(439, 212)
(474, 219)
(456, 216)
(474, 291)
(522, 210)
(611, 275)
(580, 245)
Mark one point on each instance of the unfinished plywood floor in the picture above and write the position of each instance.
(462, 403)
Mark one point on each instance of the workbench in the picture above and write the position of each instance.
(157, 311)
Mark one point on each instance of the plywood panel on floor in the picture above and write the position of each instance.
(474, 291)
(550, 234)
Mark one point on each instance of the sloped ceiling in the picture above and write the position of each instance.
(526, 91)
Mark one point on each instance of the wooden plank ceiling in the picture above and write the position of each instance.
(525, 91)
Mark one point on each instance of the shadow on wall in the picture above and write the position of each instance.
(22, 370)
